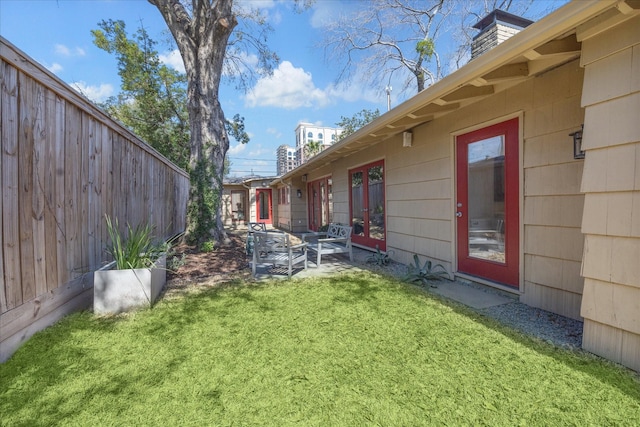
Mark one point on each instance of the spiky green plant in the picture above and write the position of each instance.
(424, 274)
(136, 249)
(379, 258)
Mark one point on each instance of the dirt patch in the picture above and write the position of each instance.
(205, 269)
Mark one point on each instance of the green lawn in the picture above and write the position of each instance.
(349, 350)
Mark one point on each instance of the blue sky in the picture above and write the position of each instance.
(302, 89)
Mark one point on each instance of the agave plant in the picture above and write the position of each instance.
(426, 273)
(134, 250)
(379, 258)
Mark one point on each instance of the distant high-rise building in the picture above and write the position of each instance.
(311, 139)
(286, 159)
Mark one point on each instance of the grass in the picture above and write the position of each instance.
(348, 350)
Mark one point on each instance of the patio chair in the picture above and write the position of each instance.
(251, 228)
(274, 248)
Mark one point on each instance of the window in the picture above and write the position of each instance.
(320, 136)
(333, 137)
(310, 135)
(237, 205)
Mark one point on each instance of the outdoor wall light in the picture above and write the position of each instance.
(578, 152)
(299, 193)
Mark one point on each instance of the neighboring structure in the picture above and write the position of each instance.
(488, 173)
(286, 159)
(495, 28)
(248, 199)
(307, 133)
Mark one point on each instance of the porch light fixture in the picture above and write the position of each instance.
(578, 152)
(299, 193)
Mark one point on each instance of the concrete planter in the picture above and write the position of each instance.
(117, 291)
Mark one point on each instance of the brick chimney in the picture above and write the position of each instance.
(495, 28)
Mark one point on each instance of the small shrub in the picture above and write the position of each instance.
(424, 274)
(207, 246)
(175, 261)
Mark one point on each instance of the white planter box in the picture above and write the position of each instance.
(116, 291)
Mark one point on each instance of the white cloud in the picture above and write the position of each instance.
(94, 93)
(325, 12)
(55, 68)
(236, 149)
(289, 88)
(173, 59)
(275, 132)
(63, 50)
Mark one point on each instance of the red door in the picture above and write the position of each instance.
(263, 205)
(488, 218)
(367, 205)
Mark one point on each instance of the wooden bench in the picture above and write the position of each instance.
(274, 248)
(336, 240)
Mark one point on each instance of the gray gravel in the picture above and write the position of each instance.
(550, 327)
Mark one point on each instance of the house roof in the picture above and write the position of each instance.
(239, 180)
(548, 43)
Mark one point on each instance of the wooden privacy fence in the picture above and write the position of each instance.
(64, 165)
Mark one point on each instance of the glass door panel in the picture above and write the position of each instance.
(357, 204)
(485, 217)
(375, 191)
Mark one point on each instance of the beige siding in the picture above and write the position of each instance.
(420, 181)
(611, 183)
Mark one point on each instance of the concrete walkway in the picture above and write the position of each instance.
(339, 264)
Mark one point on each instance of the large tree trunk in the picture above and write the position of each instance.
(202, 36)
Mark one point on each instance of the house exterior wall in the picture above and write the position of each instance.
(297, 220)
(611, 183)
(420, 185)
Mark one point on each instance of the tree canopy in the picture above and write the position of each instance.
(152, 100)
(380, 41)
(351, 124)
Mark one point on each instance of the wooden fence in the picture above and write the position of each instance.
(64, 165)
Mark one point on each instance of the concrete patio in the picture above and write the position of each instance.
(460, 291)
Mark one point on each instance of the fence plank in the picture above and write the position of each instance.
(25, 181)
(73, 127)
(50, 161)
(84, 192)
(3, 117)
(60, 206)
(38, 195)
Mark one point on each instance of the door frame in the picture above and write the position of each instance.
(517, 251)
(366, 240)
(325, 208)
(268, 220)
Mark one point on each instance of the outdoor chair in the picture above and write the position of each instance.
(336, 240)
(251, 228)
(275, 248)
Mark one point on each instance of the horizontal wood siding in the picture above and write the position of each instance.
(611, 183)
(64, 166)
